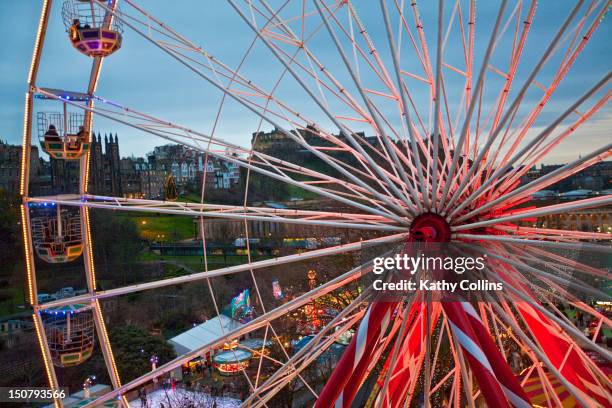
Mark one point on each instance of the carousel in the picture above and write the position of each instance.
(232, 361)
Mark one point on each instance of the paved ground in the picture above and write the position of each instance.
(182, 398)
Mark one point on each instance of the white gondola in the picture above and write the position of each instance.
(70, 334)
(56, 233)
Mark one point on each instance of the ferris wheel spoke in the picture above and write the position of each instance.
(194, 144)
(343, 131)
(437, 103)
(594, 202)
(466, 376)
(328, 219)
(577, 394)
(422, 44)
(513, 107)
(257, 323)
(375, 115)
(395, 352)
(554, 233)
(317, 253)
(403, 27)
(310, 352)
(448, 137)
(535, 243)
(538, 155)
(378, 65)
(511, 259)
(561, 173)
(287, 133)
(577, 265)
(543, 378)
(472, 104)
(564, 66)
(404, 96)
(516, 53)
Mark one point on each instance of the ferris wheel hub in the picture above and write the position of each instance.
(430, 227)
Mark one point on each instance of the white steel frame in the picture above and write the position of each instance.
(472, 194)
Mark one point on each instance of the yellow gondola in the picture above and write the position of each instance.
(63, 136)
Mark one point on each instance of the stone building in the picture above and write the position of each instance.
(596, 177)
(64, 176)
(140, 179)
(105, 166)
(10, 170)
(189, 166)
(588, 220)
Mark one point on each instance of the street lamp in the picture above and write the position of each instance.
(89, 382)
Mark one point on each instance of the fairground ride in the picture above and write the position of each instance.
(424, 125)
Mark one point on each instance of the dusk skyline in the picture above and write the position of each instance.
(133, 77)
(390, 203)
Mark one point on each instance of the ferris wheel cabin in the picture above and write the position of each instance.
(91, 28)
(70, 334)
(56, 233)
(63, 136)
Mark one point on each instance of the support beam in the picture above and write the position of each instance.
(255, 324)
(355, 246)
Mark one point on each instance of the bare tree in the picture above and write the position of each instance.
(180, 398)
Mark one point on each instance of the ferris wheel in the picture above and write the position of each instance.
(420, 125)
